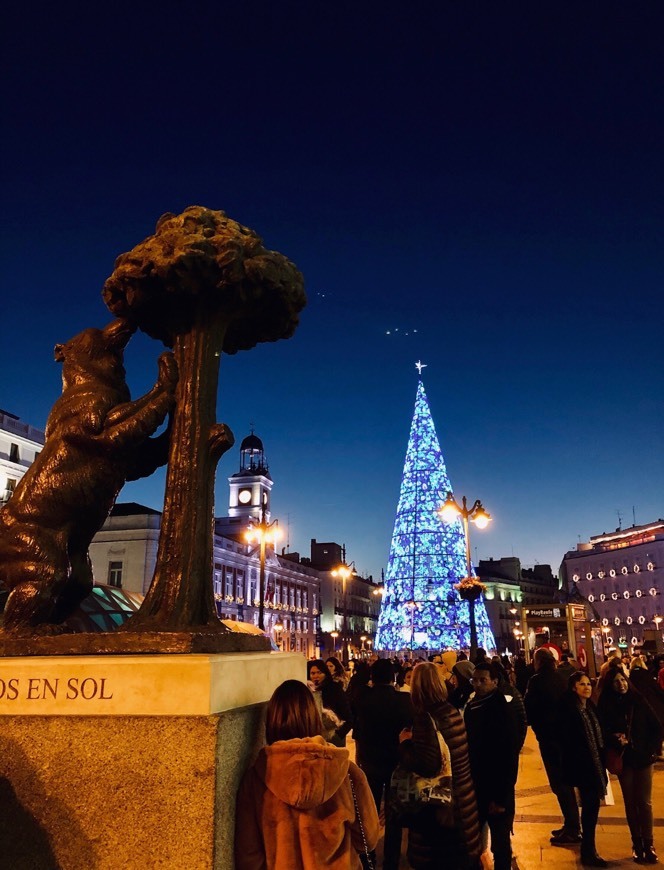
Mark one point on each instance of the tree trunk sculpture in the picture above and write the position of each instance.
(203, 284)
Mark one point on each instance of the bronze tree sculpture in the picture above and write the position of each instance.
(203, 284)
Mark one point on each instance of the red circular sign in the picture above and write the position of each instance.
(582, 656)
(555, 650)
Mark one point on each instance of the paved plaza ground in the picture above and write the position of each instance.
(537, 813)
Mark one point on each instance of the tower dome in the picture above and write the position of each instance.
(252, 456)
(251, 442)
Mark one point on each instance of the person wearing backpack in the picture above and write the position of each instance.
(452, 841)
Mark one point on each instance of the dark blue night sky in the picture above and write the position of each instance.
(488, 174)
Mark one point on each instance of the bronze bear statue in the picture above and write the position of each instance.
(96, 439)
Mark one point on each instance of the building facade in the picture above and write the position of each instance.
(349, 608)
(509, 587)
(19, 444)
(621, 574)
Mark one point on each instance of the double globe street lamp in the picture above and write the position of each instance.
(344, 571)
(262, 533)
(469, 587)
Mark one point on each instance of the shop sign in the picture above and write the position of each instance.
(544, 613)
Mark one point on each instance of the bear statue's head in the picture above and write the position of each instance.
(95, 354)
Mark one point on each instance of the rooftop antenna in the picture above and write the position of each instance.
(620, 516)
(633, 515)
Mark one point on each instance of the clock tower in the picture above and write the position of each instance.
(250, 487)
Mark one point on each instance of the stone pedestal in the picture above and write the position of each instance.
(129, 761)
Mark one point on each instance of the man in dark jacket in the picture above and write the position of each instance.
(493, 744)
(381, 714)
(545, 689)
(522, 671)
(565, 667)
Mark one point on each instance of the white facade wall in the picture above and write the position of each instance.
(622, 576)
(19, 444)
(130, 541)
(362, 605)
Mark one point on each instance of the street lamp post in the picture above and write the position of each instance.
(514, 612)
(469, 587)
(363, 639)
(261, 532)
(344, 571)
(334, 635)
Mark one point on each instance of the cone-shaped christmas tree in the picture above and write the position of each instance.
(421, 608)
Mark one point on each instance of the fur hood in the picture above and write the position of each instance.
(295, 809)
(303, 773)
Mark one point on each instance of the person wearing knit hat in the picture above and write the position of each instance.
(463, 671)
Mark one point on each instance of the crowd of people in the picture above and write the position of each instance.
(447, 732)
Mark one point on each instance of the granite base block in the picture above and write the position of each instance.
(102, 793)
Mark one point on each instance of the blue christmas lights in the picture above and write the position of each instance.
(420, 606)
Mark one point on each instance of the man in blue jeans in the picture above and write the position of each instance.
(493, 747)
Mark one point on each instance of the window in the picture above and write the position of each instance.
(115, 574)
(228, 582)
(217, 578)
(13, 453)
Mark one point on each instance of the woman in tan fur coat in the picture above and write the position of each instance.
(296, 807)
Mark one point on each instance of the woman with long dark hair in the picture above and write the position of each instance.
(583, 762)
(338, 672)
(633, 732)
(432, 845)
(302, 803)
(331, 696)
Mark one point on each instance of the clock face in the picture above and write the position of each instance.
(244, 496)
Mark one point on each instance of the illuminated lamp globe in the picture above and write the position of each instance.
(450, 510)
(481, 518)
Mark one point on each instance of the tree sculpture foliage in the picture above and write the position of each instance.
(203, 284)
